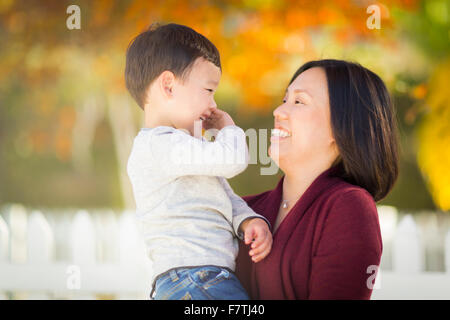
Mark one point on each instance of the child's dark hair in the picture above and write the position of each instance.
(171, 47)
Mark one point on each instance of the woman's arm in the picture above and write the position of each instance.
(350, 243)
(243, 261)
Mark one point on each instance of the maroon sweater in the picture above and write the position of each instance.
(323, 247)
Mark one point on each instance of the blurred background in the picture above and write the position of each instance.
(67, 122)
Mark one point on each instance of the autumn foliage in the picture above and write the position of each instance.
(49, 74)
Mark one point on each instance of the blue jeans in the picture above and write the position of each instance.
(199, 283)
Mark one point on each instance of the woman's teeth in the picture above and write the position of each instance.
(280, 133)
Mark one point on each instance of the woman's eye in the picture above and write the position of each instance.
(284, 100)
(210, 90)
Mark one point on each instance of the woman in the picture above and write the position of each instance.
(335, 141)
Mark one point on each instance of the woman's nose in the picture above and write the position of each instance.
(280, 113)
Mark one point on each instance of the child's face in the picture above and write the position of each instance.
(194, 98)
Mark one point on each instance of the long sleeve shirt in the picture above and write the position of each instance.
(327, 247)
(187, 212)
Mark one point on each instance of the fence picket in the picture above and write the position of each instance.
(4, 249)
(4, 241)
(447, 252)
(84, 247)
(388, 217)
(407, 250)
(40, 247)
(40, 242)
(131, 250)
(132, 253)
(17, 219)
(107, 231)
(83, 240)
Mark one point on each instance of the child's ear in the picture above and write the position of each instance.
(167, 81)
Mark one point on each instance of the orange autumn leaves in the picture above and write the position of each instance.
(258, 39)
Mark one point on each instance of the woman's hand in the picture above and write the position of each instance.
(256, 231)
(217, 120)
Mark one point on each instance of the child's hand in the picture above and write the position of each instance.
(257, 231)
(217, 120)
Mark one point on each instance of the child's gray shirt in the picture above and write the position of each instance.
(188, 213)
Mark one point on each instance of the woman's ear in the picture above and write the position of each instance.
(167, 82)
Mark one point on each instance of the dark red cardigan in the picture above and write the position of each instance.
(322, 249)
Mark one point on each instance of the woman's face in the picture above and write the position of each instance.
(304, 132)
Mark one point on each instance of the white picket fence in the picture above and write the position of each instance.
(416, 256)
(71, 255)
(75, 254)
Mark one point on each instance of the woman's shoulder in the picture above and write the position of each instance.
(352, 201)
(348, 191)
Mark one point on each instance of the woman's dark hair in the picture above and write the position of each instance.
(363, 124)
(170, 47)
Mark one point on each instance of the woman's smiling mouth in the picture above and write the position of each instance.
(279, 134)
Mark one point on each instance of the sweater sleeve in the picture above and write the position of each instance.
(177, 153)
(241, 211)
(350, 243)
